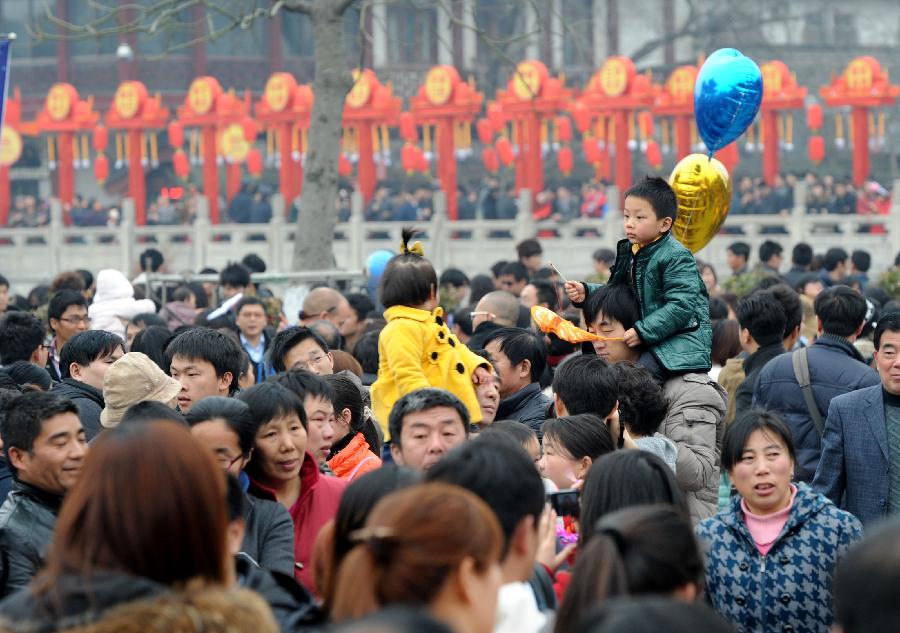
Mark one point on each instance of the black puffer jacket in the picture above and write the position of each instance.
(88, 400)
(528, 406)
(27, 519)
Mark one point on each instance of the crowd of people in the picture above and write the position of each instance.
(643, 450)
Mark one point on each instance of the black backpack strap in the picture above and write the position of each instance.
(801, 373)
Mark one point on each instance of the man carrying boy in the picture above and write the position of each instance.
(674, 304)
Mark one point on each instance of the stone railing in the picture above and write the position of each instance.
(33, 255)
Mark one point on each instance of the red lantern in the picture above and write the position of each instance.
(176, 135)
(250, 129)
(421, 162)
(565, 161)
(653, 154)
(814, 116)
(344, 166)
(582, 116)
(408, 128)
(485, 131)
(495, 115)
(255, 162)
(408, 158)
(563, 129)
(101, 138)
(490, 159)
(180, 164)
(101, 168)
(815, 147)
(505, 151)
(591, 150)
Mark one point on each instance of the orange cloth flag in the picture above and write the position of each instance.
(548, 321)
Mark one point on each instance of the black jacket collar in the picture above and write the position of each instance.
(49, 499)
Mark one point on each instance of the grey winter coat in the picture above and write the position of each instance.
(694, 421)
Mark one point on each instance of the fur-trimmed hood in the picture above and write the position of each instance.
(113, 603)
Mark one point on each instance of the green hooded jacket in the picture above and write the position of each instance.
(674, 304)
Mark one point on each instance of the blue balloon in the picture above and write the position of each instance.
(727, 96)
(376, 262)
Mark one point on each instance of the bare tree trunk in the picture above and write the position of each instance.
(317, 217)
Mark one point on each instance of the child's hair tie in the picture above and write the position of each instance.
(415, 248)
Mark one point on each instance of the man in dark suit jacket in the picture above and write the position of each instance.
(860, 464)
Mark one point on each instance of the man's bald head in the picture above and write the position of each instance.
(503, 305)
(325, 304)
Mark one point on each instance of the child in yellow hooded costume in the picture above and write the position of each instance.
(416, 348)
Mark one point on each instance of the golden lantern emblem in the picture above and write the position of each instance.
(361, 91)
(200, 96)
(10, 146)
(681, 82)
(614, 77)
(127, 100)
(59, 102)
(278, 92)
(233, 143)
(526, 82)
(438, 85)
(859, 75)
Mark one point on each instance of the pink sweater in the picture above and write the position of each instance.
(765, 528)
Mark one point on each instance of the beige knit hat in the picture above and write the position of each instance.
(131, 379)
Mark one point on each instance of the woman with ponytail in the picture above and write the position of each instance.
(416, 348)
(356, 446)
(641, 550)
(435, 546)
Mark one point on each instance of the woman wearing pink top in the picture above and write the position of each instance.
(771, 553)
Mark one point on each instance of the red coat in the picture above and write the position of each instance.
(317, 505)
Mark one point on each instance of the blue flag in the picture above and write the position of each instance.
(4, 74)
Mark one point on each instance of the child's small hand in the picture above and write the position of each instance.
(631, 338)
(575, 291)
(480, 376)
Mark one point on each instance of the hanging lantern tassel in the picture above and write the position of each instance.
(544, 136)
(296, 143)
(839, 141)
(632, 139)
(144, 161)
(270, 142)
(601, 132)
(872, 136)
(881, 129)
(76, 154)
(154, 151)
(664, 128)
(789, 132)
(101, 168)
(85, 152)
(304, 141)
(779, 126)
(385, 144)
(750, 145)
(51, 153)
(426, 141)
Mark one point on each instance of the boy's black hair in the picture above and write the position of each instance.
(862, 260)
(366, 352)
(529, 248)
(802, 254)
(768, 250)
(249, 301)
(60, 302)
(408, 279)
(268, 401)
(254, 263)
(762, 314)
(502, 474)
(583, 435)
(208, 345)
(152, 341)
(235, 276)
(360, 304)
(518, 345)
(304, 384)
(149, 411)
(546, 293)
(889, 322)
(793, 308)
(86, 347)
(454, 277)
(517, 270)
(150, 260)
(743, 427)
(833, 257)
(658, 193)
(740, 249)
(23, 417)
(423, 400)
(233, 412)
(586, 384)
(20, 334)
(642, 403)
(841, 310)
(289, 338)
(614, 302)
